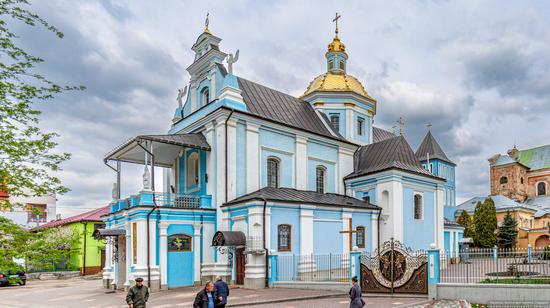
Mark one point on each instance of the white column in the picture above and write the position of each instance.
(439, 223)
(142, 245)
(301, 163)
(451, 243)
(220, 164)
(374, 236)
(210, 158)
(163, 254)
(252, 157)
(346, 217)
(306, 264)
(193, 93)
(349, 124)
(197, 252)
(109, 274)
(152, 245)
(213, 93)
(255, 265)
(396, 205)
(232, 159)
(345, 167)
(129, 255)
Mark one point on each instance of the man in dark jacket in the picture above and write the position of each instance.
(137, 295)
(205, 298)
(221, 291)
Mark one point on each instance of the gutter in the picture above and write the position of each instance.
(149, 214)
(265, 246)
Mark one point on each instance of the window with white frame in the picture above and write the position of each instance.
(360, 237)
(320, 179)
(335, 121)
(205, 96)
(418, 206)
(192, 174)
(284, 237)
(360, 126)
(273, 172)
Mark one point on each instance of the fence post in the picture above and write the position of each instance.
(272, 270)
(529, 253)
(354, 269)
(433, 268)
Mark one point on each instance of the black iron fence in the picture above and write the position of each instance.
(495, 265)
(328, 267)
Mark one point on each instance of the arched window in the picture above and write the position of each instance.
(541, 189)
(341, 65)
(179, 243)
(360, 237)
(284, 237)
(503, 180)
(273, 172)
(335, 121)
(320, 179)
(418, 206)
(192, 176)
(330, 65)
(205, 96)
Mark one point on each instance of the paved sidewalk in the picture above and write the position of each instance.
(445, 304)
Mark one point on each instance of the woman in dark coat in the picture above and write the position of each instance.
(355, 294)
(205, 298)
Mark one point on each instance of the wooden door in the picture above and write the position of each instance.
(102, 259)
(240, 265)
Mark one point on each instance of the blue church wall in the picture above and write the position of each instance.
(199, 189)
(327, 237)
(290, 216)
(366, 127)
(330, 177)
(276, 140)
(281, 146)
(342, 115)
(180, 264)
(241, 159)
(363, 219)
(447, 240)
(418, 233)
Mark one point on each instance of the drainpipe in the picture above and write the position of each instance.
(84, 257)
(265, 246)
(378, 230)
(226, 152)
(149, 214)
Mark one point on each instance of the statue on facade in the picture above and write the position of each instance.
(146, 179)
(232, 59)
(114, 192)
(181, 95)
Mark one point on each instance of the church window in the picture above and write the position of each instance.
(205, 96)
(273, 172)
(360, 126)
(541, 189)
(418, 206)
(320, 179)
(179, 242)
(503, 180)
(342, 65)
(330, 64)
(192, 178)
(284, 237)
(335, 121)
(360, 237)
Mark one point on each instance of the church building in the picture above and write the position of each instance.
(249, 172)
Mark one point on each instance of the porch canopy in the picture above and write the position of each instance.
(165, 148)
(103, 233)
(229, 238)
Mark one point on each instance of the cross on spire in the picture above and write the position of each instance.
(429, 125)
(335, 20)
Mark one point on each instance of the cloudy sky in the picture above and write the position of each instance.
(477, 70)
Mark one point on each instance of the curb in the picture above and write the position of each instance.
(288, 299)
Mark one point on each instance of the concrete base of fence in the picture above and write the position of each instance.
(53, 275)
(313, 285)
(491, 293)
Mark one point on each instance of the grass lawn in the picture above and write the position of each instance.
(534, 280)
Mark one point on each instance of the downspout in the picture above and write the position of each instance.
(226, 152)
(149, 214)
(265, 246)
(84, 257)
(378, 231)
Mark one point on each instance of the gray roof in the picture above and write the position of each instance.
(393, 153)
(379, 134)
(504, 160)
(502, 203)
(540, 202)
(273, 105)
(187, 140)
(430, 145)
(450, 223)
(292, 195)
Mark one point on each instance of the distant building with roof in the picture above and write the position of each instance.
(90, 256)
(29, 211)
(519, 183)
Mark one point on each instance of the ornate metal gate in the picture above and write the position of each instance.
(394, 269)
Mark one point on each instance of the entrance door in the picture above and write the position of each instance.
(180, 260)
(240, 265)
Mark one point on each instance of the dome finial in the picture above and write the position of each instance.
(336, 45)
(335, 20)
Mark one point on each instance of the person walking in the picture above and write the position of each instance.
(355, 294)
(221, 292)
(205, 298)
(137, 295)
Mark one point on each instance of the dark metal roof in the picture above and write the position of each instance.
(271, 104)
(430, 145)
(393, 153)
(292, 195)
(187, 140)
(229, 238)
(379, 134)
(102, 233)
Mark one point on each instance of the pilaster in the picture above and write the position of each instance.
(163, 255)
(197, 248)
(232, 159)
(301, 163)
(252, 157)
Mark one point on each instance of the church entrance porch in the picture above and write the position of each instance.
(394, 269)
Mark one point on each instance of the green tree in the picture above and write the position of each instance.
(465, 220)
(507, 232)
(13, 244)
(49, 248)
(485, 222)
(26, 157)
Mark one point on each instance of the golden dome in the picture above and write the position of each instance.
(336, 82)
(336, 45)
